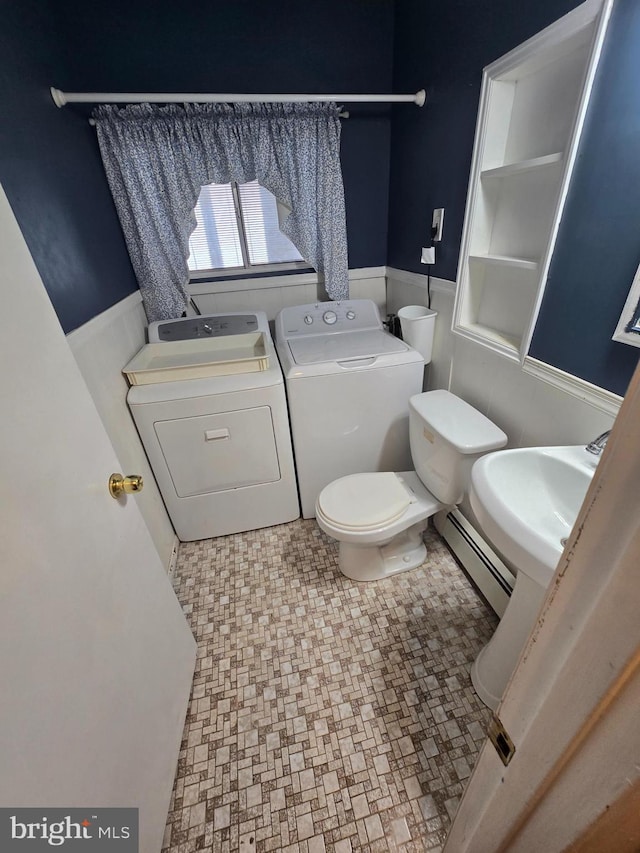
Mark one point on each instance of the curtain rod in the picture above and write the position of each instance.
(61, 98)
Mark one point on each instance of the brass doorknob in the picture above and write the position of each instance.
(129, 485)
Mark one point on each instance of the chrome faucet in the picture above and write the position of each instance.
(598, 444)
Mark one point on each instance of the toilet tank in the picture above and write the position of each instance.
(447, 435)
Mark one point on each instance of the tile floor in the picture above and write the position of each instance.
(326, 714)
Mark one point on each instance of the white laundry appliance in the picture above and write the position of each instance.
(220, 446)
(348, 386)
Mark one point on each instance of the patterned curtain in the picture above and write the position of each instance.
(157, 159)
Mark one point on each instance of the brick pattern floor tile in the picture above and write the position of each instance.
(325, 714)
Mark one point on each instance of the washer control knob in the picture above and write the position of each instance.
(308, 319)
(351, 315)
(330, 317)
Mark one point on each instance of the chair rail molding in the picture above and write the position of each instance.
(231, 284)
(438, 285)
(601, 399)
(99, 323)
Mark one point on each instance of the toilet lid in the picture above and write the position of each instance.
(364, 501)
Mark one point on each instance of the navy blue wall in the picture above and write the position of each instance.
(598, 247)
(444, 48)
(49, 161)
(52, 173)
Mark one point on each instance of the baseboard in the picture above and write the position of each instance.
(482, 564)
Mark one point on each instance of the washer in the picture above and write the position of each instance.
(220, 447)
(348, 386)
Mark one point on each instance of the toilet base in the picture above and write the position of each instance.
(371, 563)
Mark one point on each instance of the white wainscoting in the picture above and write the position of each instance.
(532, 409)
(545, 408)
(537, 405)
(107, 342)
(273, 294)
(101, 348)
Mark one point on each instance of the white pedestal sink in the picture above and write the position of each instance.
(526, 501)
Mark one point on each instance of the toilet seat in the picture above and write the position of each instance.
(361, 502)
(378, 521)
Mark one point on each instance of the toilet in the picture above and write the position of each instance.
(379, 518)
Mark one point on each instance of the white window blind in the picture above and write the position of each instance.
(238, 228)
(215, 243)
(265, 241)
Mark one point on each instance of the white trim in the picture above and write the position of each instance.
(474, 183)
(248, 272)
(552, 36)
(438, 285)
(367, 272)
(196, 288)
(83, 334)
(526, 58)
(601, 399)
(225, 286)
(583, 15)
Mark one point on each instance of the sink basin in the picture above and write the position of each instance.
(527, 501)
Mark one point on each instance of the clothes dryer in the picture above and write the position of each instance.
(220, 447)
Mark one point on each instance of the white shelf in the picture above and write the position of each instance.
(523, 166)
(508, 343)
(532, 106)
(506, 261)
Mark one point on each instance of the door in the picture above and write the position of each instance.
(571, 707)
(96, 657)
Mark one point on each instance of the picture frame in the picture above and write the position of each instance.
(628, 329)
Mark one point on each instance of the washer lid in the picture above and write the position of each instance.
(364, 501)
(341, 347)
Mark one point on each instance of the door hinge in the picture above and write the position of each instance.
(500, 739)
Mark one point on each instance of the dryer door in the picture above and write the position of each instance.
(217, 452)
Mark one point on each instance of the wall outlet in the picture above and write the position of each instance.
(437, 224)
(428, 256)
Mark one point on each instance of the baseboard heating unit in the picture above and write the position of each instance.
(494, 580)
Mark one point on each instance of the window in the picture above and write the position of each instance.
(238, 230)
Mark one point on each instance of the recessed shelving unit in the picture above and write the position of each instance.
(531, 113)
